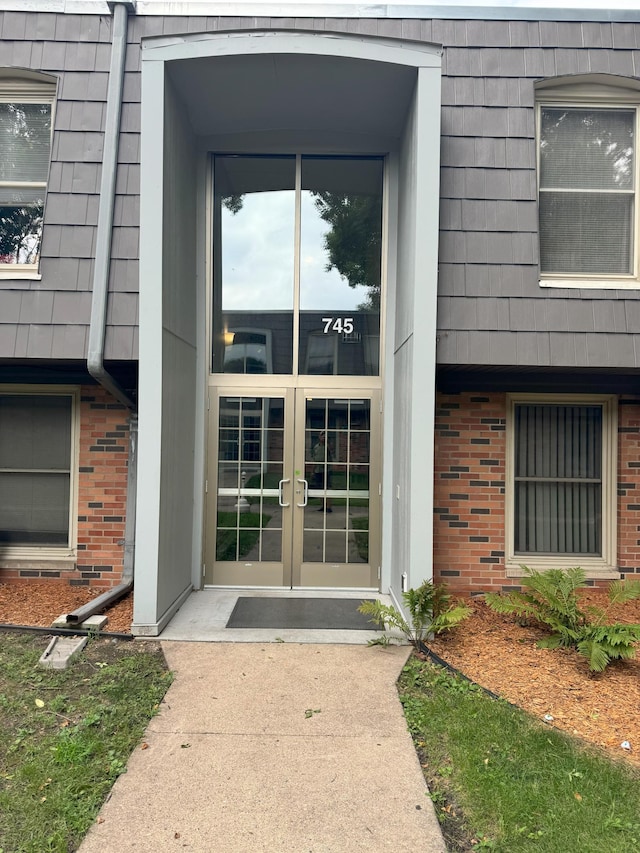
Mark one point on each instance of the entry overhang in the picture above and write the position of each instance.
(353, 94)
(294, 82)
(304, 43)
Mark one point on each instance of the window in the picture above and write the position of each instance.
(297, 254)
(37, 463)
(588, 183)
(26, 108)
(322, 354)
(247, 351)
(561, 475)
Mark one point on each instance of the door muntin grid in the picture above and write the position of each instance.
(250, 470)
(337, 447)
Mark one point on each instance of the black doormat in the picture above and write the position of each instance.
(332, 614)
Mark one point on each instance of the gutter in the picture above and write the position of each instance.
(98, 320)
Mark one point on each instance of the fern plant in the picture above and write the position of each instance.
(430, 612)
(551, 598)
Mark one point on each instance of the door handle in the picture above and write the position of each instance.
(280, 485)
(305, 487)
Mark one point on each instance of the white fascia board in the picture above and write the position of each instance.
(511, 10)
(352, 46)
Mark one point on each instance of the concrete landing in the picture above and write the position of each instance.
(205, 613)
(273, 748)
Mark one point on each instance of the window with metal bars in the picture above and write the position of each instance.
(561, 481)
(558, 479)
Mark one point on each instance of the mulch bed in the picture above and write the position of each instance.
(490, 649)
(499, 654)
(40, 602)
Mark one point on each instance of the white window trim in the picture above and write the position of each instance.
(595, 567)
(27, 87)
(600, 91)
(16, 555)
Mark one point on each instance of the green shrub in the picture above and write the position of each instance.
(431, 612)
(551, 598)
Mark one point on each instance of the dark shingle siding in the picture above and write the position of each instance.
(492, 309)
(489, 213)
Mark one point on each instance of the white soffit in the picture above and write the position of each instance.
(531, 10)
(310, 93)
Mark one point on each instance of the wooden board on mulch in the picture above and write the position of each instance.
(40, 602)
(497, 653)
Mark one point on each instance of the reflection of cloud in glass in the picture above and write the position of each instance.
(257, 253)
(258, 256)
(321, 289)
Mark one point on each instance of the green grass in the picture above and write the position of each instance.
(362, 538)
(66, 736)
(508, 783)
(246, 537)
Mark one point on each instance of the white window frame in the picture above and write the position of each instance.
(30, 556)
(27, 87)
(603, 566)
(596, 91)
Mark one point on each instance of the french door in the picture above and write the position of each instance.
(294, 439)
(293, 493)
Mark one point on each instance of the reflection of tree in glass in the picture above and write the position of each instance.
(354, 239)
(233, 203)
(353, 242)
(25, 138)
(20, 232)
(587, 148)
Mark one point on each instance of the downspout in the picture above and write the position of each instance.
(102, 264)
(97, 324)
(126, 585)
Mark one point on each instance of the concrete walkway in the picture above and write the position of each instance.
(273, 748)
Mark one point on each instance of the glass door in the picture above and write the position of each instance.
(249, 490)
(295, 323)
(290, 495)
(337, 517)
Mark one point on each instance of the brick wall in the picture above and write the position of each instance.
(629, 486)
(102, 489)
(469, 503)
(469, 473)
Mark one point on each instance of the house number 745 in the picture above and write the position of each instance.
(342, 325)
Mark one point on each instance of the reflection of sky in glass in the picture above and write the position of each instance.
(257, 253)
(258, 257)
(321, 289)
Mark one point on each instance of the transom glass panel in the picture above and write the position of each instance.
(254, 230)
(297, 265)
